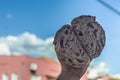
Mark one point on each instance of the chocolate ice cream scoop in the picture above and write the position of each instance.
(77, 44)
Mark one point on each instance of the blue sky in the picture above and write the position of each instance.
(42, 18)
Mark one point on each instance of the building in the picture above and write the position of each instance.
(28, 68)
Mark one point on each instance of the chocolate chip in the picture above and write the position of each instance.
(102, 42)
(73, 64)
(77, 54)
(73, 39)
(80, 33)
(66, 32)
(92, 44)
(70, 60)
(68, 27)
(61, 44)
(95, 32)
(90, 25)
(98, 47)
(80, 60)
(86, 45)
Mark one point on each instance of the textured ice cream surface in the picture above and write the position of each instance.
(78, 43)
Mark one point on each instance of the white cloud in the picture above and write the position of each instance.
(97, 69)
(4, 49)
(102, 68)
(92, 74)
(28, 44)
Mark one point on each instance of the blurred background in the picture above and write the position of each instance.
(28, 27)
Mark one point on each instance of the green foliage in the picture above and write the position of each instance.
(113, 79)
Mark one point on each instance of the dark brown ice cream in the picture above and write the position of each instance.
(76, 44)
